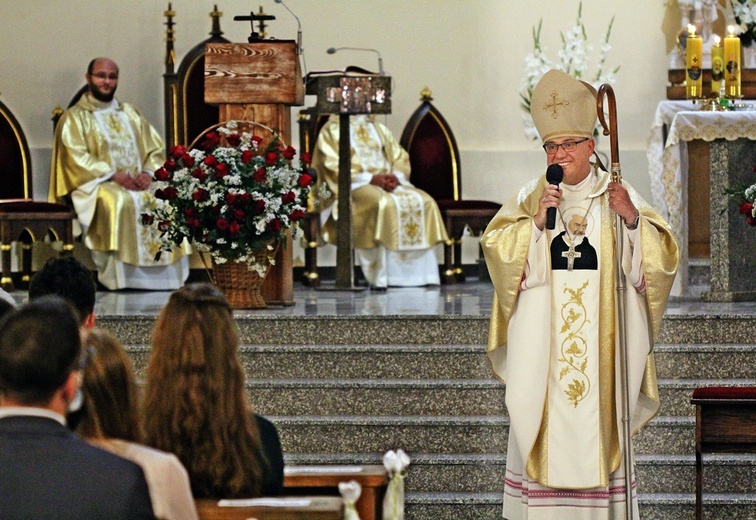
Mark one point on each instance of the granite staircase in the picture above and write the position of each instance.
(343, 390)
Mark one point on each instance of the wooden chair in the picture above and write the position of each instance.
(324, 480)
(318, 508)
(725, 423)
(186, 113)
(436, 169)
(21, 218)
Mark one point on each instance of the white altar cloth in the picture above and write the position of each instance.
(668, 162)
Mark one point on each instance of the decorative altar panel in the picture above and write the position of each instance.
(679, 189)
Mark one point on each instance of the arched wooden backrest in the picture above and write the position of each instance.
(57, 112)
(433, 152)
(15, 159)
(310, 124)
(186, 113)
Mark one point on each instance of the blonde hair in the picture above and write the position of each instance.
(195, 402)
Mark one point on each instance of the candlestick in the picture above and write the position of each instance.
(717, 65)
(693, 60)
(732, 63)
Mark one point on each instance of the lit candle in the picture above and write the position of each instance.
(717, 65)
(732, 63)
(693, 58)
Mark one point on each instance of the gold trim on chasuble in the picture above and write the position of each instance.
(409, 211)
(609, 447)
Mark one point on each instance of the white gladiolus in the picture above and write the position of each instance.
(574, 59)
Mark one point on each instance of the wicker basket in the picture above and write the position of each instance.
(240, 284)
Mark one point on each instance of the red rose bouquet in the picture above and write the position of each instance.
(228, 196)
(745, 197)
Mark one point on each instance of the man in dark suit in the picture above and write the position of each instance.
(45, 470)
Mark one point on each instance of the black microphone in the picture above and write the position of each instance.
(333, 50)
(554, 175)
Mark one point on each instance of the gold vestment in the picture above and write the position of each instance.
(84, 158)
(525, 366)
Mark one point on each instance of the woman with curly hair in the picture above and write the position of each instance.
(109, 419)
(195, 402)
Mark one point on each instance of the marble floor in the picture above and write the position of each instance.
(472, 298)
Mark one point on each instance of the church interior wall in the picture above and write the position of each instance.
(469, 53)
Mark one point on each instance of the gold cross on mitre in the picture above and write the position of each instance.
(553, 105)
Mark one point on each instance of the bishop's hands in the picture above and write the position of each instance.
(620, 203)
(134, 183)
(386, 181)
(550, 198)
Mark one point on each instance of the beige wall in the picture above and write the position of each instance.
(469, 52)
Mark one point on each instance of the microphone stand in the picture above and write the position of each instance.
(619, 280)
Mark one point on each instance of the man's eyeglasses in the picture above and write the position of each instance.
(569, 146)
(102, 75)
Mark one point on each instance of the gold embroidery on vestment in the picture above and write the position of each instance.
(574, 347)
(410, 210)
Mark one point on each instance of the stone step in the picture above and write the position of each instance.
(398, 397)
(716, 361)
(425, 397)
(445, 434)
(434, 361)
(722, 473)
(716, 506)
(488, 506)
(437, 361)
(683, 326)
(675, 394)
(484, 473)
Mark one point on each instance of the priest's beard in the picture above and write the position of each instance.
(101, 96)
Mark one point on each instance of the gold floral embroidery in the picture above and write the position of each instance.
(410, 212)
(574, 347)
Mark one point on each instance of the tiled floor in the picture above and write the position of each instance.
(468, 299)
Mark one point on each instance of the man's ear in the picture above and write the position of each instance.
(71, 386)
(89, 321)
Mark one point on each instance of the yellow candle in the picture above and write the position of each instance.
(732, 63)
(717, 65)
(693, 60)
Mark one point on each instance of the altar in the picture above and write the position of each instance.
(689, 193)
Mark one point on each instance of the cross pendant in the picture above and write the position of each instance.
(571, 255)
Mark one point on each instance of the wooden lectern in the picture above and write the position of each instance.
(259, 82)
(346, 94)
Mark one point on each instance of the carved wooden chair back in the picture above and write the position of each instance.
(436, 169)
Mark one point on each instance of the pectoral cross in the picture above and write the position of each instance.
(571, 255)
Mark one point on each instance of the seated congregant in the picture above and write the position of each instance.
(104, 156)
(46, 471)
(394, 225)
(110, 420)
(195, 402)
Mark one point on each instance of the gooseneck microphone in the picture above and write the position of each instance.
(554, 175)
(333, 50)
(300, 50)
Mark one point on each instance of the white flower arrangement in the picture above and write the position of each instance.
(574, 58)
(745, 16)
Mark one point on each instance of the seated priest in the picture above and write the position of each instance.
(394, 225)
(104, 156)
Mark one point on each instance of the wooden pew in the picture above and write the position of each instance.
(725, 423)
(298, 508)
(324, 480)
